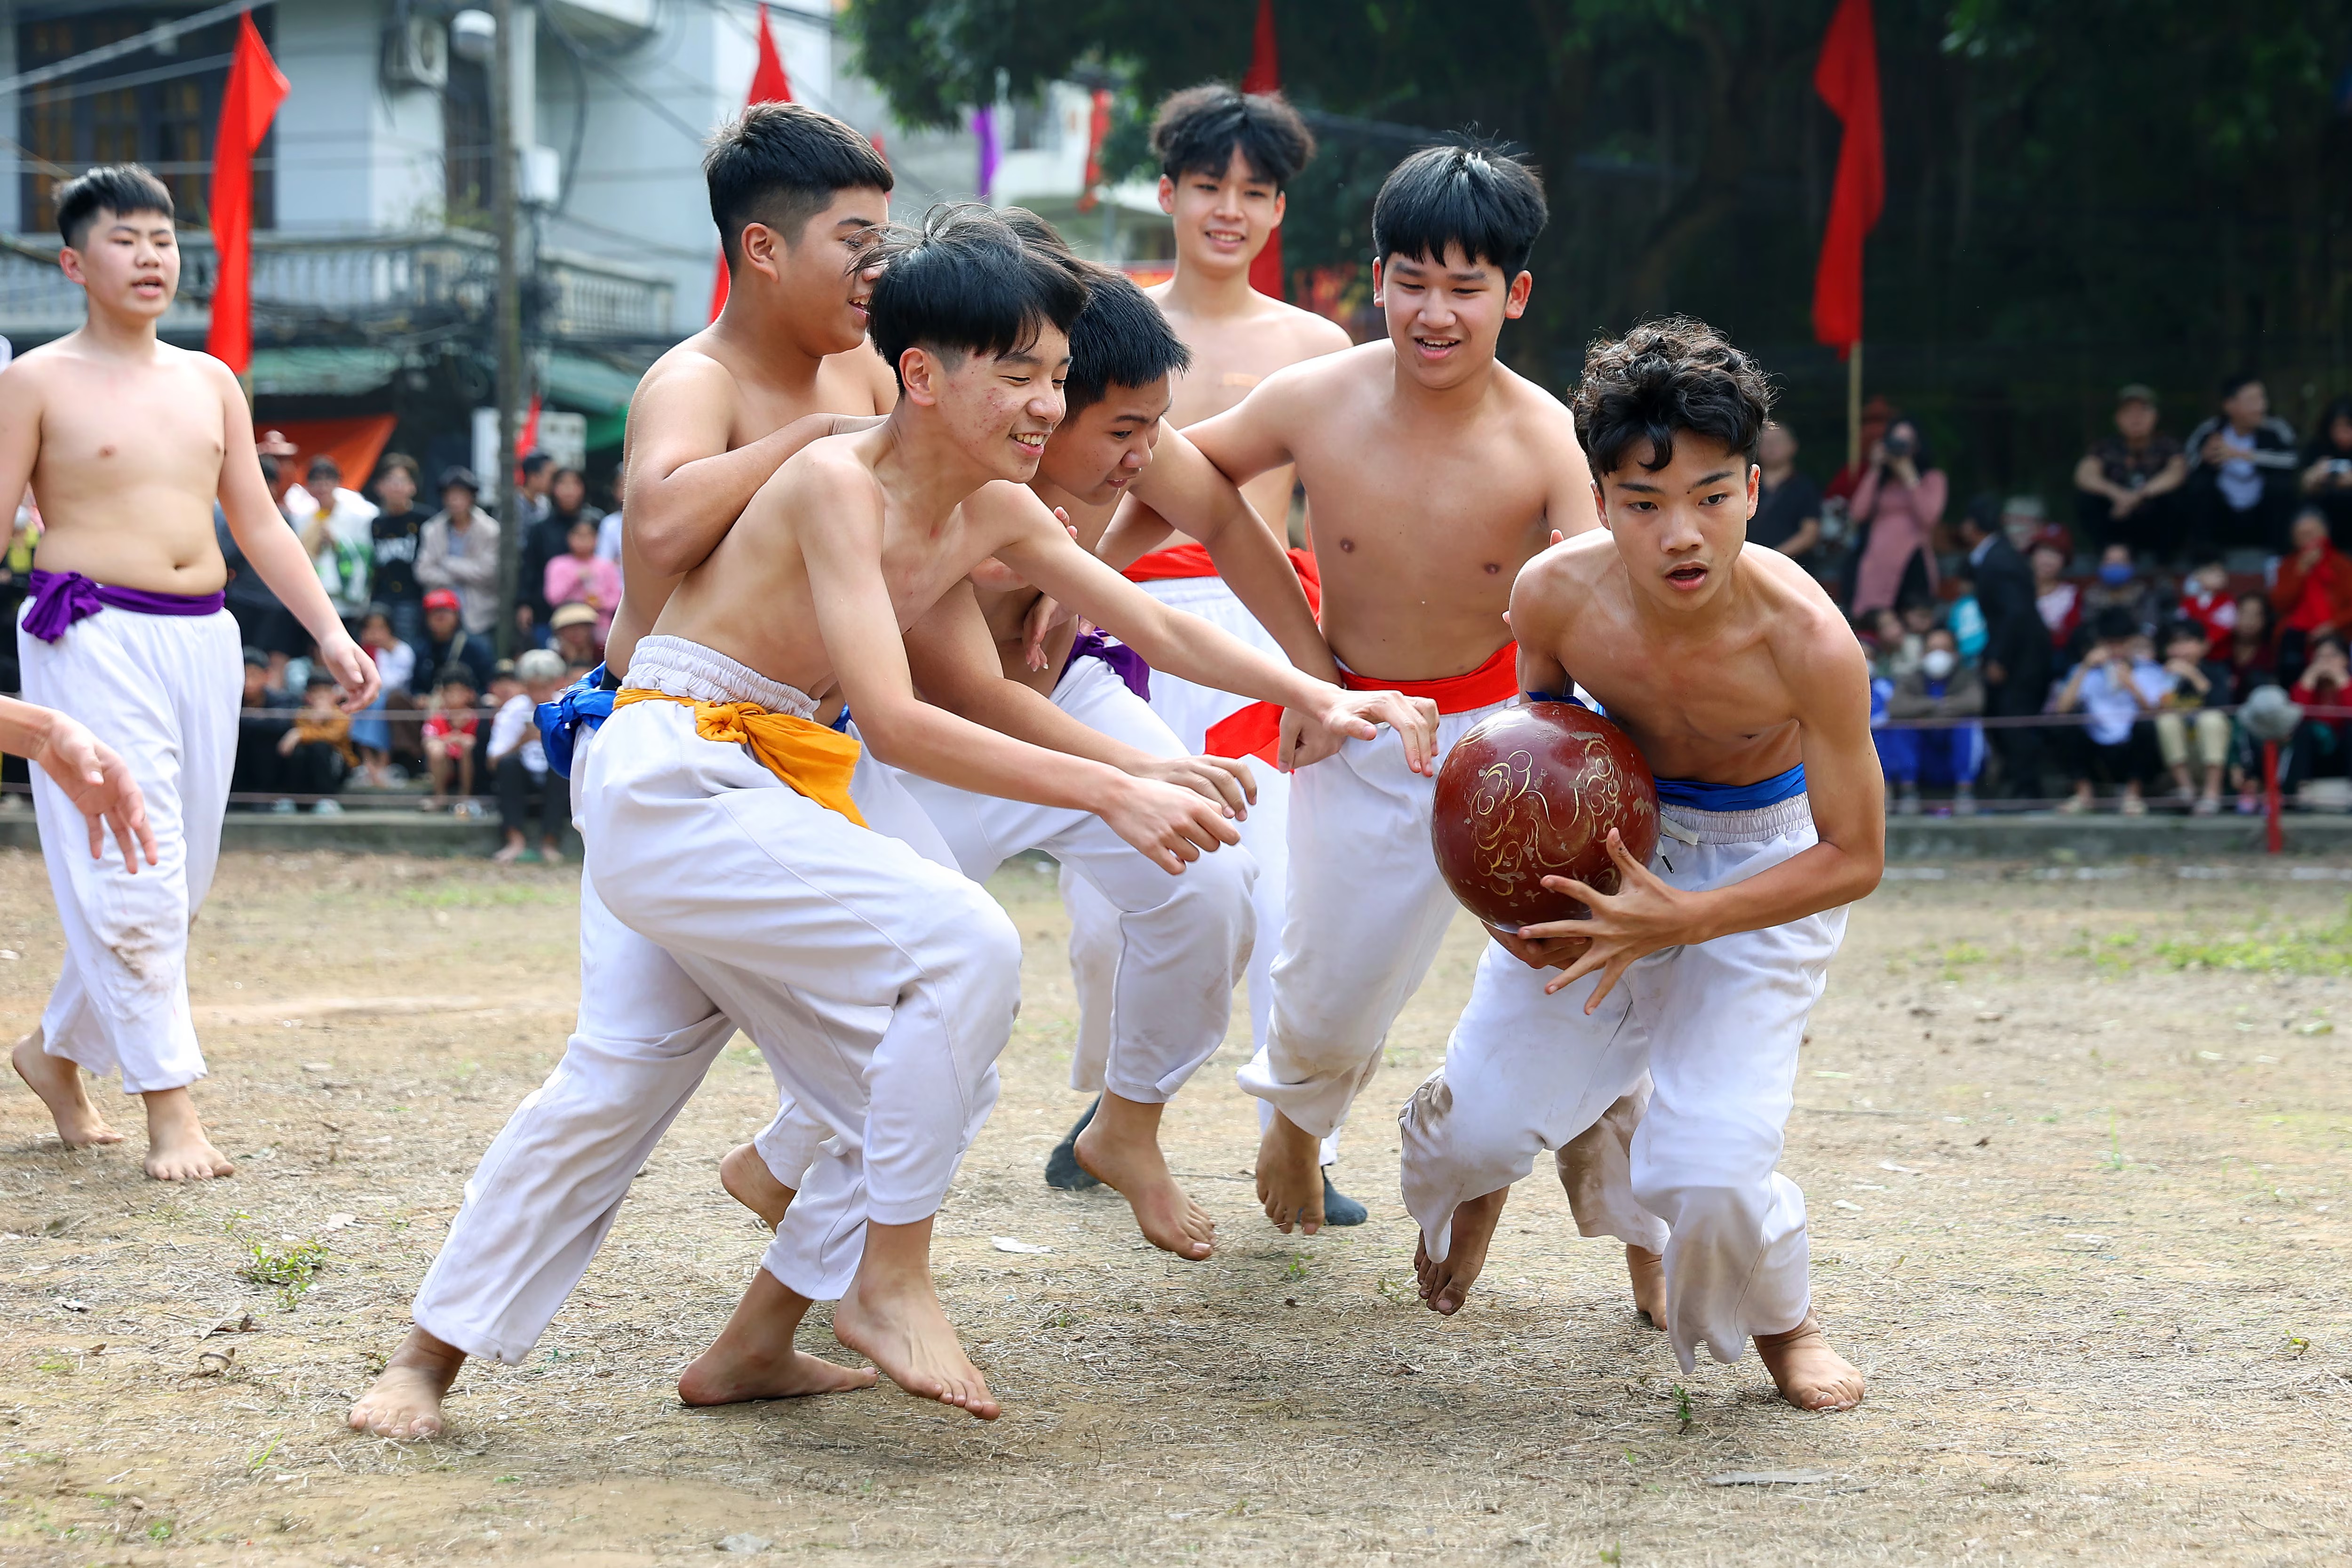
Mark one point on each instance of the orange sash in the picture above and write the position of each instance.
(810, 759)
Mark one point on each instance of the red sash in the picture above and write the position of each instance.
(1255, 730)
(1496, 680)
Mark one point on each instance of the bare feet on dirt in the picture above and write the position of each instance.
(749, 1182)
(1120, 1149)
(892, 1316)
(177, 1149)
(1445, 1286)
(1648, 1271)
(1809, 1375)
(405, 1401)
(1290, 1177)
(57, 1081)
(753, 1357)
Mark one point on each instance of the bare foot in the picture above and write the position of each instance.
(177, 1149)
(1290, 1177)
(1648, 1271)
(753, 1356)
(893, 1318)
(1445, 1286)
(749, 1182)
(405, 1401)
(1809, 1375)
(1121, 1147)
(58, 1080)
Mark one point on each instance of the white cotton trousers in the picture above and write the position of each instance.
(552, 1183)
(882, 984)
(1366, 913)
(162, 692)
(1155, 957)
(1716, 1026)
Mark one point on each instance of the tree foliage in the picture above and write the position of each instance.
(2080, 191)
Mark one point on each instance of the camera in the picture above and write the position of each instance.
(1899, 447)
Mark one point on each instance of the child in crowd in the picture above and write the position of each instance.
(580, 631)
(395, 663)
(2206, 602)
(2057, 601)
(315, 752)
(1941, 687)
(583, 576)
(2191, 730)
(2117, 686)
(518, 762)
(449, 732)
(260, 727)
(2321, 747)
(1966, 616)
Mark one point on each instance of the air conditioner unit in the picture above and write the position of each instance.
(416, 53)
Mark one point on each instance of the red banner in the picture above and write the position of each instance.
(256, 89)
(1847, 79)
(1265, 76)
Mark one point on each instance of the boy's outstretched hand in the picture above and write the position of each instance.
(95, 779)
(354, 669)
(1310, 737)
(1642, 915)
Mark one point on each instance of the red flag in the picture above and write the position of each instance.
(256, 89)
(1265, 76)
(769, 85)
(1847, 79)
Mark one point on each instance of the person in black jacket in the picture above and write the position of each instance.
(2016, 661)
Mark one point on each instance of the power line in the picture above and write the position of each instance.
(129, 46)
(136, 79)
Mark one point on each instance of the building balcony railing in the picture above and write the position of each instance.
(369, 288)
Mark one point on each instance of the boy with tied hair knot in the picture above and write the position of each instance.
(1661, 1062)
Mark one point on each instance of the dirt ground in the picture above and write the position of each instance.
(2078, 1210)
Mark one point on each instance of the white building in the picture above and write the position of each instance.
(373, 263)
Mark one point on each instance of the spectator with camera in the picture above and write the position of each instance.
(2127, 486)
(2117, 688)
(1899, 503)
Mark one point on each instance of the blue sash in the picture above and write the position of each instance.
(1755, 796)
(587, 700)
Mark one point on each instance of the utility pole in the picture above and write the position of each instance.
(507, 319)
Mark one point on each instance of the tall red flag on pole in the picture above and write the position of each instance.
(256, 89)
(1265, 76)
(1847, 79)
(769, 85)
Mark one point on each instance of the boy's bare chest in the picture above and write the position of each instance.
(1686, 708)
(1475, 510)
(1229, 359)
(110, 429)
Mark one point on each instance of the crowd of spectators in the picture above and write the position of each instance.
(420, 591)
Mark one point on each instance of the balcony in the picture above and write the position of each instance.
(394, 289)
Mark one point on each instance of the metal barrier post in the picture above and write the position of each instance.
(2273, 840)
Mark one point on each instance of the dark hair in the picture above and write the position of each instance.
(456, 672)
(780, 164)
(557, 476)
(534, 461)
(1475, 196)
(1983, 513)
(2182, 631)
(964, 282)
(1661, 379)
(1198, 131)
(1921, 458)
(2328, 639)
(400, 460)
(1120, 339)
(2234, 384)
(269, 470)
(458, 477)
(322, 464)
(117, 189)
(377, 610)
(1035, 230)
(315, 680)
(2114, 624)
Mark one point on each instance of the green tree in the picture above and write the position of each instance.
(2080, 191)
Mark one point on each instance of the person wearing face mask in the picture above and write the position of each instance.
(1901, 500)
(2118, 584)
(1942, 687)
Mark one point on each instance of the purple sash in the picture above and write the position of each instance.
(1124, 661)
(59, 599)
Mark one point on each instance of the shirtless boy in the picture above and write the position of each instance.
(794, 193)
(889, 982)
(1225, 158)
(128, 442)
(1155, 957)
(1433, 474)
(1745, 689)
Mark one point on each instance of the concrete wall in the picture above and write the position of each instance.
(11, 217)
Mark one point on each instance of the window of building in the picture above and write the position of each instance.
(468, 137)
(156, 107)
